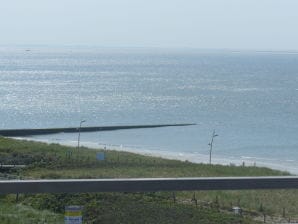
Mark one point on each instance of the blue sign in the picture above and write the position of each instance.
(100, 156)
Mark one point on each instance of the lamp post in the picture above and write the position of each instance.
(82, 121)
(211, 144)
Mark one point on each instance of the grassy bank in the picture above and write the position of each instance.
(20, 213)
(56, 161)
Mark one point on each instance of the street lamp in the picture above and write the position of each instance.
(211, 144)
(82, 121)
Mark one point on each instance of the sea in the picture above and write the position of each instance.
(249, 98)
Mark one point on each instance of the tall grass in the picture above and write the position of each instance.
(11, 213)
(57, 161)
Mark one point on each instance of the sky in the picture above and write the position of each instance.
(204, 24)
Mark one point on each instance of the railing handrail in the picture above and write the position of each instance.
(147, 184)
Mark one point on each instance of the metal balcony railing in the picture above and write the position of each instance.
(146, 184)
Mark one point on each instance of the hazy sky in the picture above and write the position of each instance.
(228, 24)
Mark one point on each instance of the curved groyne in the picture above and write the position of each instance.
(46, 131)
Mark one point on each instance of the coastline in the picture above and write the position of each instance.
(182, 156)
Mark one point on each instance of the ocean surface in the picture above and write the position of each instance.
(250, 99)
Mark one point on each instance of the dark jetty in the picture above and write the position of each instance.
(46, 131)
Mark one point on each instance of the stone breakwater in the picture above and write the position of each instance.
(46, 131)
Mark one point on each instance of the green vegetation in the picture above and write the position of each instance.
(19, 213)
(56, 161)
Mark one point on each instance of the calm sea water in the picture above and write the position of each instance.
(250, 99)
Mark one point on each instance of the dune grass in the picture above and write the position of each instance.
(55, 161)
(11, 213)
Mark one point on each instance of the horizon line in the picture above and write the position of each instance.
(187, 48)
